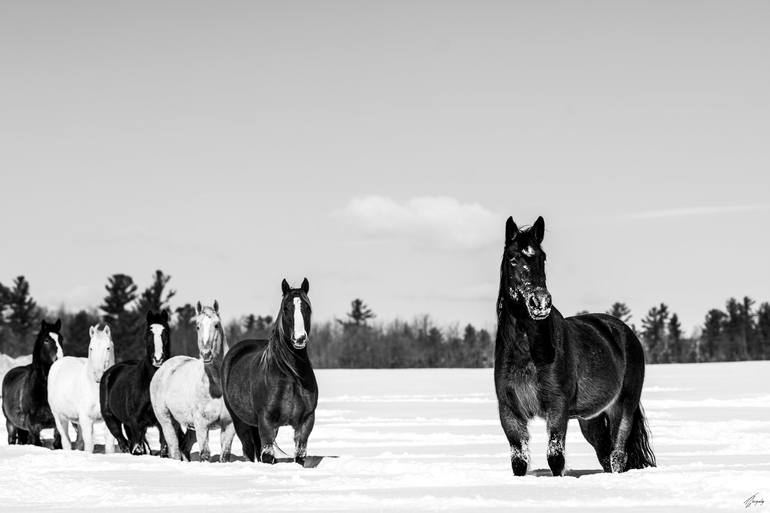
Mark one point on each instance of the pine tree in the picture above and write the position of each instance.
(679, 352)
(76, 332)
(763, 330)
(155, 297)
(621, 311)
(713, 336)
(121, 293)
(22, 313)
(654, 334)
(185, 340)
(735, 329)
(359, 314)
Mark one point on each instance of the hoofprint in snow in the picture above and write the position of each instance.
(420, 439)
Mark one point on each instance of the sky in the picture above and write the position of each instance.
(378, 147)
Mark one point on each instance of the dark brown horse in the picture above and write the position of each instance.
(124, 392)
(589, 367)
(270, 383)
(25, 390)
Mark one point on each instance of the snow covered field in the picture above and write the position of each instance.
(410, 440)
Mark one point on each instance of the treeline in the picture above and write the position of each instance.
(739, 332)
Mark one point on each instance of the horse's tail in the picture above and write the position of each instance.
(638, 447)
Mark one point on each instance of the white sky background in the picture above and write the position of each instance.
(377, 148)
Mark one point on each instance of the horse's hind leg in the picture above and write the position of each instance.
(245, 434)
(22, 437)
(516, 432)
(113, 425)
(62, 426)
(13, 433)
(556, 424)
(597, 432)
(170, 432)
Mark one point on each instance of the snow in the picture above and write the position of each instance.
(424, 440)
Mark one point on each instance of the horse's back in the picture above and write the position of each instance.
(65, 385)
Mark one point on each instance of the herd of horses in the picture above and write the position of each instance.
(589, 367)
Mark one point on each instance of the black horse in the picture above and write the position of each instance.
(124, 392)
(589, 367)
(270, 383)
(25, 390)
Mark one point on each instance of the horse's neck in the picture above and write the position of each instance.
(146, 369)
(517, 331)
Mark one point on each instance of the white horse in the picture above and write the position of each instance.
(187, 392)
(73, 390)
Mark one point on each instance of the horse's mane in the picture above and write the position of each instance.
(278, 355)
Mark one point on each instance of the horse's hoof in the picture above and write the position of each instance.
(268, 458)
(224, 457)
(519, 466)
(205, 456)
(300, 460)
(137, 450)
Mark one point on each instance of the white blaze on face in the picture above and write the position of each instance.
(59, 352)
(157, 331)
(299, 320)
(205, 328)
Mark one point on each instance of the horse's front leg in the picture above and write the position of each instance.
(202, 435)
(556, 423)
(515, 429)
(267, 433)
(226, 440)
(301, 434)
(86, 427)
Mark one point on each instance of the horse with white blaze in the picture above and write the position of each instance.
(73, 390)
(187, 392)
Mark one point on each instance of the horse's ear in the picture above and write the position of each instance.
(107, 331)
(511, 230)
(150, 316)
(57, 325)
(285, 288)
(538, 229)
(198, 308)
(91, 331)
(43, 324)
(164, 316)
(305, 286)
(216, 306)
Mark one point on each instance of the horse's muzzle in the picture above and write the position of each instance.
(156, 362)
(300, 343)
(539, 303)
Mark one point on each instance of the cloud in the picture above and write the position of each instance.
(441, 222)
(697, 211)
